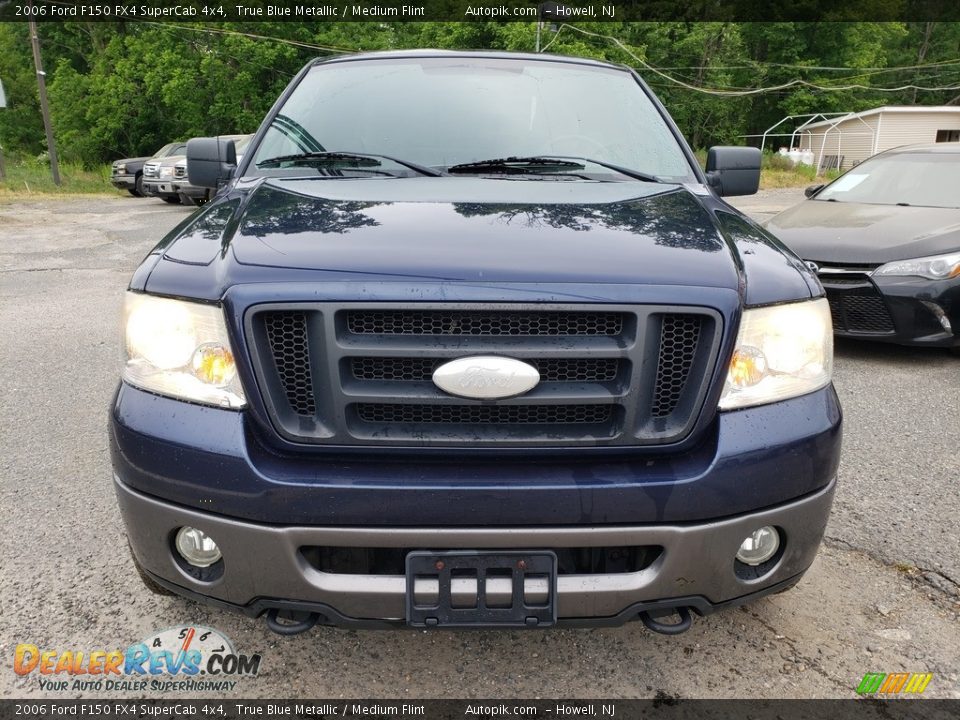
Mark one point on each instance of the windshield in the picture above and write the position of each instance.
(439, 112)
(241, 143)
(925, 179)
(164, 151)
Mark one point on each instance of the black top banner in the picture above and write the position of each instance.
(667, 708)
(478, 10)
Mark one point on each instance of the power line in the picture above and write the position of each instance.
(744, 92)
(224, 31)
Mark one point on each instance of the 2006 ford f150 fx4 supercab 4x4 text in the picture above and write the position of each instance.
(469, 339)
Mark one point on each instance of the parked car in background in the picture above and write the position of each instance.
(884, 239)
(199, 195)
(157, 182)
(127, 174)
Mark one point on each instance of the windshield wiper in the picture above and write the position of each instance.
(629, 172)
(358, 161)
(516, 165)
(538, 164)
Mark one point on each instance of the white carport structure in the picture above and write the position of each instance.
(845, 141)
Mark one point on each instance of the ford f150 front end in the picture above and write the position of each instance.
(469, 340)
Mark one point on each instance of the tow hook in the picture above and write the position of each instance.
(664, 629)
(298, 623)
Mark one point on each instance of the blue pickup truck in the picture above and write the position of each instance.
(470, 340)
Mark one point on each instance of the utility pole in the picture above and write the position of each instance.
(3, 104)
(44, 107)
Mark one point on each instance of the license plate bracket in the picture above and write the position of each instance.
(466, 588)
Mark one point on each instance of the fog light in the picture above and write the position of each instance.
(759, 546)
(196, 547)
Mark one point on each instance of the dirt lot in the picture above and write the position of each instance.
(882, 596)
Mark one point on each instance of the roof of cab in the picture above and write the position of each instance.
(498, 54)
(949, 148)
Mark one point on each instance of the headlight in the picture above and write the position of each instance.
(935, 267)
(782, 351)
(166, 172)
(121, 168)
(180, 349)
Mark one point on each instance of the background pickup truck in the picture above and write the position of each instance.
(127, 174)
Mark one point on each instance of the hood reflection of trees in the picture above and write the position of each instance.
(278, 212)
(671, 219)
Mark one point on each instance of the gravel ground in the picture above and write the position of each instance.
(882, 596)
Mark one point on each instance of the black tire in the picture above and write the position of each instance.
(172, 199)
(196, 201)
(133, 191)
(139, 185)
(148, 582)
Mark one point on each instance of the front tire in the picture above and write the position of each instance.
(148, 582)
(139, 185)
(190, 200)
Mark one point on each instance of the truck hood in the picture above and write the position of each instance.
(128, 161)
(476, 229)
(471, 230)
(859, 233)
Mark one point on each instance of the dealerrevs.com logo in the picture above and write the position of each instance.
(186, 658)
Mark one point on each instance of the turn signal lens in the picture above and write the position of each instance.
(213, 364)
(747, 367)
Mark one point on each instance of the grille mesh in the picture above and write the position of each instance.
(633, 376)
(421, 369)
(439, 322)
(287, 335)
(485, 414)
(679, 337)
(863, 311)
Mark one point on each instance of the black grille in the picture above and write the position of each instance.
(381, 413)
(344, 374)
(392, 561)
(679, 338)
(860, 311)
(287, 335)
(439, 322)
(421, 369)
(837, 280)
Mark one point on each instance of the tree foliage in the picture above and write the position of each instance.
(126, 88)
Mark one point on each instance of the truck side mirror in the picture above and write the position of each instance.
(812, 190)
(211, 161)
(733, 170)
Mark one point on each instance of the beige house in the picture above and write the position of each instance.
(843, 141)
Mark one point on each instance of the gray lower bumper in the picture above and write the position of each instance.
(123, 182)
(158, 187)
(263, 566)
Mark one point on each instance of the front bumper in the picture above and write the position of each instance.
(155, 186)
(900, 310)
(265, 567)
(180, 464)
(123, 182)
(183, 187)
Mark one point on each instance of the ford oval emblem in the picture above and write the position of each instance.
(486, 377)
